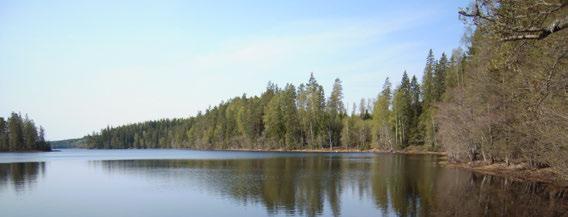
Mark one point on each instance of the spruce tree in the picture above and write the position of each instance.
(416, 107)
(440, 77)
(428, 97)
(16, 133)
(290, 116)
(335, 110)
(3, 135)
(402, 112)
(315, 113)
(30, 134)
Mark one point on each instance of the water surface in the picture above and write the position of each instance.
(203, 183)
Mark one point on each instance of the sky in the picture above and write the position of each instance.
(78, 66)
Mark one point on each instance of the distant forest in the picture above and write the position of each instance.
(502, 97)
(67, 143)
(21, 134)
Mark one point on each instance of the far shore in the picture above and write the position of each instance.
(337, 150)
(517, 172)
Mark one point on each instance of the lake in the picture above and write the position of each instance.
(163, 183)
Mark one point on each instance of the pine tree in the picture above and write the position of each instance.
(315, 113)
(274, 121)
(415, 135)
(16, 134)
(3, 135)
(335, 110)
(428, 81)
(303, 116)
(440, 77)
(426, 123)
(402, 112)
(30, 134)
(42, 143)
(290, 116)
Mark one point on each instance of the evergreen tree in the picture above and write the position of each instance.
(290, 116)
(274, 121)
(42, 143)
(426, 123)
(316, 132)
(16, 133)
(3, 135)
(440, 77)
(303, 116)
(402, 112)
(30, 135)
(415, 135)
(363, 109)
(335, 110)
(428, 81)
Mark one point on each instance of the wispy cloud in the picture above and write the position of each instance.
(298, 42)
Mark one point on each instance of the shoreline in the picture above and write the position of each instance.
(30, 151)
(336, 150)
(516, 172)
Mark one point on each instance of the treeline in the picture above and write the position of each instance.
(21, 134)
(302, 117)
(501, 98)
(67, 143)
(164, 133)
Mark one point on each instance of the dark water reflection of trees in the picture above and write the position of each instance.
(21, 176)
(399, 185)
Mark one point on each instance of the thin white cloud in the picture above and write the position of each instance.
(296, 43)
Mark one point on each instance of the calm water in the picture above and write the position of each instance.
(199, 183)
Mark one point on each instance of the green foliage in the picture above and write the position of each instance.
(21, 134)
(382, 128)
(67, 143)
(279, 118)
(503, 99)
(335, 113)
(403, 112)
(431, 90)
(289, 118)
(4, 141)
(356, 133)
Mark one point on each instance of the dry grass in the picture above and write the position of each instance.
(520, 172)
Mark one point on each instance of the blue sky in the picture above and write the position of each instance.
(78, 66)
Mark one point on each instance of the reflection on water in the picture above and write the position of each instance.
(399, 185)
(289, 185)
(20, 175)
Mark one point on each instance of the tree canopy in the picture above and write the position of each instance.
(19, 133)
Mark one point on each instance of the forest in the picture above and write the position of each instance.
(501, 97)
(21, 134)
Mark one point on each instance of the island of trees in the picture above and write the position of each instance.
(503, 97)
(21, 134)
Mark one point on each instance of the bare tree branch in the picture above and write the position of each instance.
(485, 10)
(556, 26)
